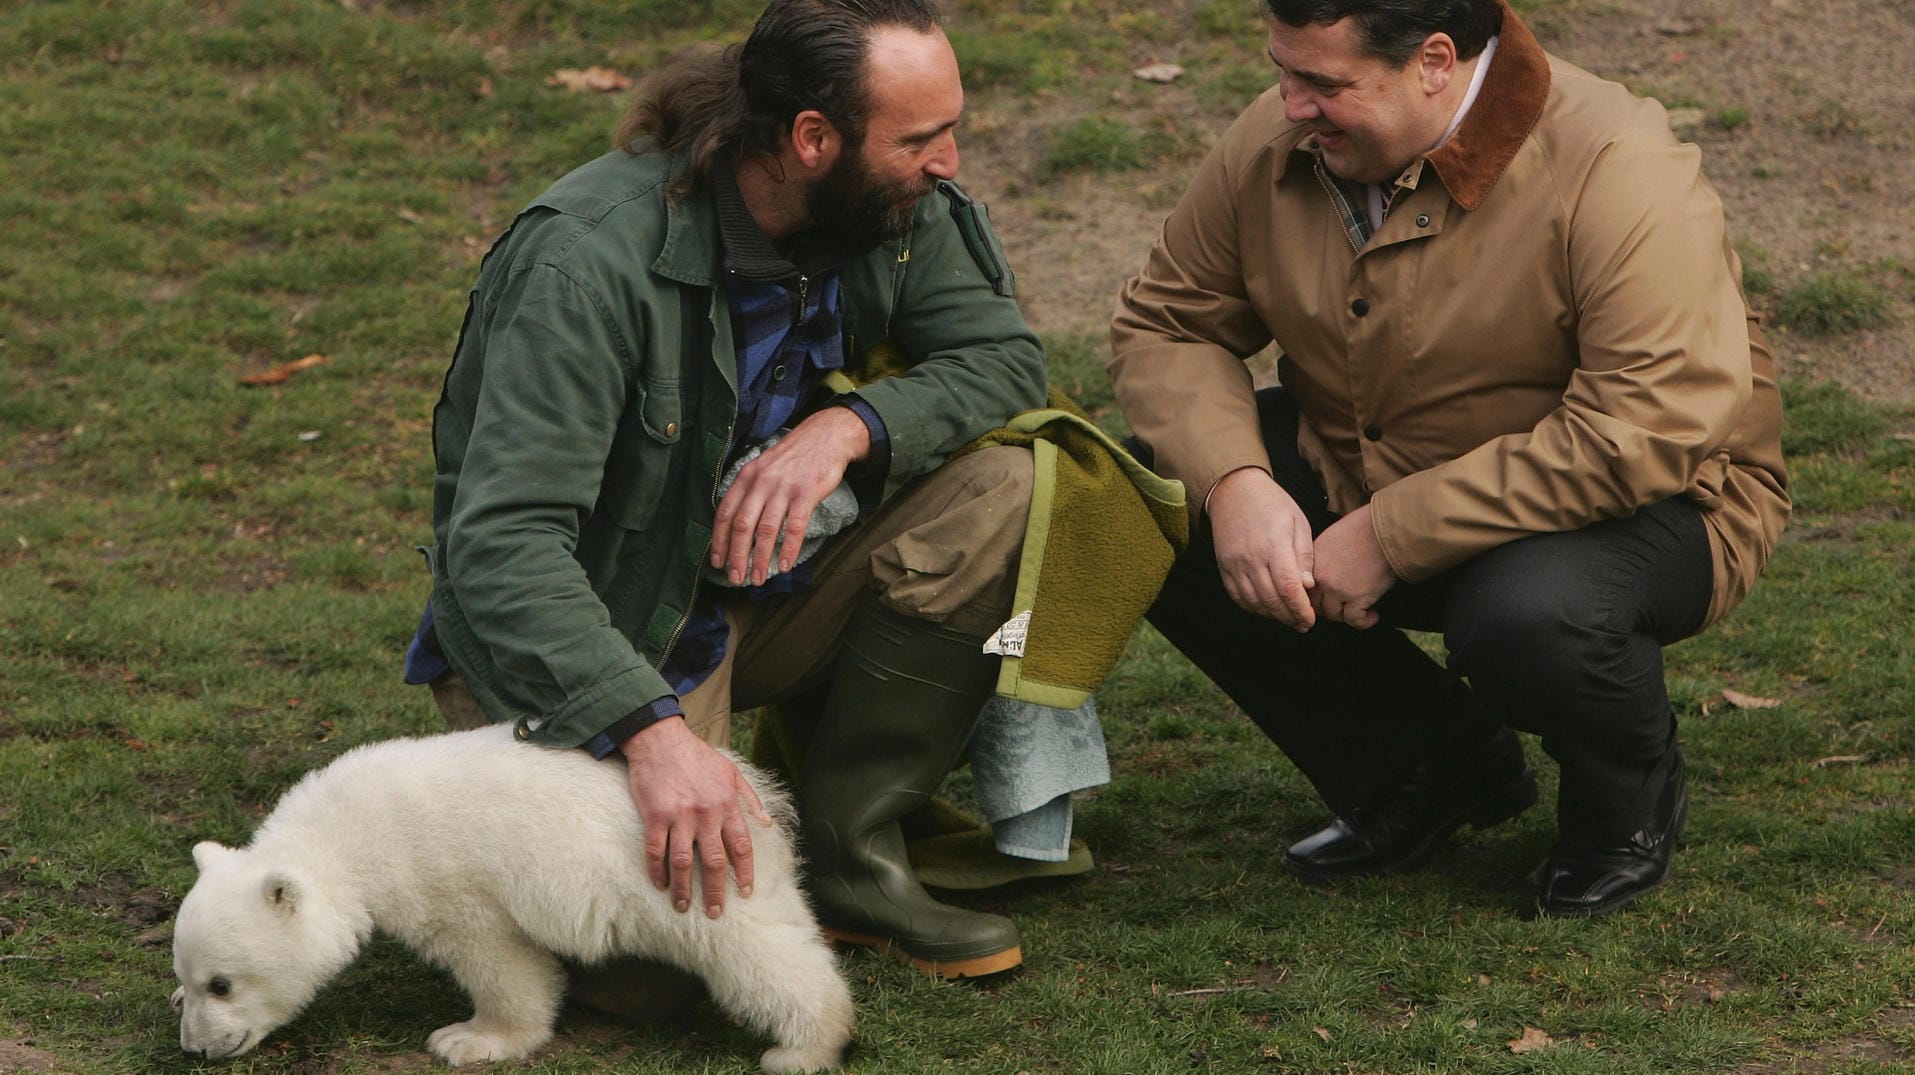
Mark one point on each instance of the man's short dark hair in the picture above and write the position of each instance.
(1394, 29)
(802, 54)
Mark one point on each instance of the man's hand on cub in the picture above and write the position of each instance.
(688, 795)
(1263, 547)
(1352, 573)
(762, 519)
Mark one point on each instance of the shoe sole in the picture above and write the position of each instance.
(1609, 907)
(971, 967)
(1498, 808)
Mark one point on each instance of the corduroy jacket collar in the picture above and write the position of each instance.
(1506, 110)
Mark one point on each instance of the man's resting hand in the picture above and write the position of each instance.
(1263, 547)
(692, 801)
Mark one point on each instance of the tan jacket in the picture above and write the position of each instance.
(1551, 329)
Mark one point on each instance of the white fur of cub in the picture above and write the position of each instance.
(486, 856)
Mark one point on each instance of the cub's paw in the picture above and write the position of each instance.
(790, 1059)
(472, 1041)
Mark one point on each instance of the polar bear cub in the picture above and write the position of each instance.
(491, 858)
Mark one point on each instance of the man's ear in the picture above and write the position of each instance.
(1436, 60)
(815, 140)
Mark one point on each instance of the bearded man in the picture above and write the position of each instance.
(650, 509)
(1523, 403)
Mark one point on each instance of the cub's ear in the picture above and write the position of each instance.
(281, 892)
(207, 852)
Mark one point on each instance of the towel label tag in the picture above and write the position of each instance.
(1008, 640)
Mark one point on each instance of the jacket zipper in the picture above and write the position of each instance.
(691, 602)
(698, 576)
(1341, 207)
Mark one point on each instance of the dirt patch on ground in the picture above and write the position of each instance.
(1693, 990)
(1803, 125)
(1833, 1058)
(21, 1057)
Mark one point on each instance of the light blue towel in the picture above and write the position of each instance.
(1026, 760)
(836, 511)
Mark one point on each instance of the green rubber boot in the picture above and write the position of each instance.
(903, 700)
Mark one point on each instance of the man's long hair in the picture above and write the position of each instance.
(1394, 29)
(802, 54)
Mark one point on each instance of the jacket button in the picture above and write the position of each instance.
(1422, 220)
(1373, 432)
(1360, 307)
(671, 429)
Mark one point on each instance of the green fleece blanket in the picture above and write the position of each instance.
(1102, 534)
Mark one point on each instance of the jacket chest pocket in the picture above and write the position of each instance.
(644, 457)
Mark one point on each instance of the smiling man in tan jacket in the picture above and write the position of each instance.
(1523, 402)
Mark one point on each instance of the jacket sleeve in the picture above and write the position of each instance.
(1181, 332)
(974, 360)
(553, 389)
(1662, 376)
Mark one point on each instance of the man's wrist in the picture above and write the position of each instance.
(851, 439)
(609, 741)
(1247, 469)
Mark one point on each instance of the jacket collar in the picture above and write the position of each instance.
(690, 253)
(1476, 155)
(1506, 110)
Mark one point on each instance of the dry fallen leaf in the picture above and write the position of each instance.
(282, 374)
(1321, 1033)
(1838, 759)
(1748, 701)
(1159, 72)
(1531, 1041)
(589, 80)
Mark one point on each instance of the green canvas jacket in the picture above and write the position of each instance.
(584, 421)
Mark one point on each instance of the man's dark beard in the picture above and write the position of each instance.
(854, 207)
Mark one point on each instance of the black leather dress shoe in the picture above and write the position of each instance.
(1583, 881)
(1405, 824)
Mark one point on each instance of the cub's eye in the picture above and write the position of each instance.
(219, 987)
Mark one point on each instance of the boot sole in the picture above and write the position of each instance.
(1498, 808)
(970, 967)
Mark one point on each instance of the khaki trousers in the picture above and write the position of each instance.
(946, 550)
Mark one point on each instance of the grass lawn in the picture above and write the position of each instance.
(206, 587)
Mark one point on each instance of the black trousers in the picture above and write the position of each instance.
(1556, 634)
